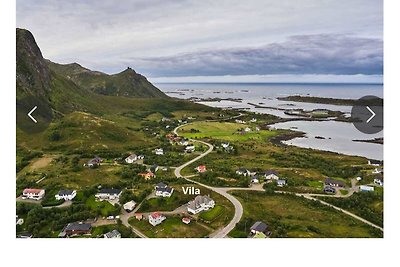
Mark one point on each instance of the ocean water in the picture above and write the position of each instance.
(339, 135)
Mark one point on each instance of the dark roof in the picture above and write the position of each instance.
(65, 192)
(242, 170)
(374, 161)
(77, 226)
(259, 227)
(111, 191)
(331, 181)
(160, 185)
(164, 189)
(269, 172)
(380, 177)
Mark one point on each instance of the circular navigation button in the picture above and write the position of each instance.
(367, 114)
(33, 114)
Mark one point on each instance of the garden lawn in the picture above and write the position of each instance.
(172, 227)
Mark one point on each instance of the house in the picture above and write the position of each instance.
(108, 194)
(189, 149)
(113, 234)
(366, 188)
(200, 203)
(329, 189)
(162, 190)
(359, 178)
(225, 145)
(94, 162)
(243, 171)
(184, 142)
(201, 168)
(147, 175)
(76, 228)
(139, 216)
(240, 121)
(281, 182)
(19, 221)
(247, 129)
(159, 151)
(377, 171)
(258, 227)
(258, 129)
(65, 194)
(271, 175)
(156, 218)
(253, 120)
(375, 163)
(33, 193)
(334, 183)
(254, 179)
(131, 159)
(130, 206)
(378, 180)
(139, 157)
(186, 220)
(153, 168)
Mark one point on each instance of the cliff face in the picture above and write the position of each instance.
(71, 87)
(33, 75)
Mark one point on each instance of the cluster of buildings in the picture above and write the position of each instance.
(267, 176)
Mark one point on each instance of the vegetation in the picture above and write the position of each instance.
(368, 205)
(292, 216)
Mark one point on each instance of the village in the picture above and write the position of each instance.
(199, 211)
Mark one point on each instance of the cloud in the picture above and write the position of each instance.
(208, 37)
(305, 54)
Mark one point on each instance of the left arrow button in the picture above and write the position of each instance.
(30, 114)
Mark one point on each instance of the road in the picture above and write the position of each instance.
(238, 207)
(220, 233)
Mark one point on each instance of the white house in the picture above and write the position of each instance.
(253, 120)
(33, 193)
(225, 145)
(379, 181)
(254, 180)
(156, 218)
(243, 171)
(184, 142)
(162, 190)
(377, 171)
(281, 182)
(129, 206)
(159, 151)
(113, 234)
(108, 194)
(200, 203)
(139, 157)
(131, 159)
(247, 129)
(190, 149)
(271, 175)
(366, 188)
(65, 194)
(240, 121)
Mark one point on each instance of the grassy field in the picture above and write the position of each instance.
(212, 214)
(291, 216)
(104, 208)
(172, 227)
(226, 131)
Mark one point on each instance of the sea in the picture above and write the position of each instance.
(338, 136)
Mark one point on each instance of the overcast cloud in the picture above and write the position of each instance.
(211, 38)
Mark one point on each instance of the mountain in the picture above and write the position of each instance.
(126, 83)
(71, 87)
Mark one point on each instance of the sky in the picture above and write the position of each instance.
(214, 41)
